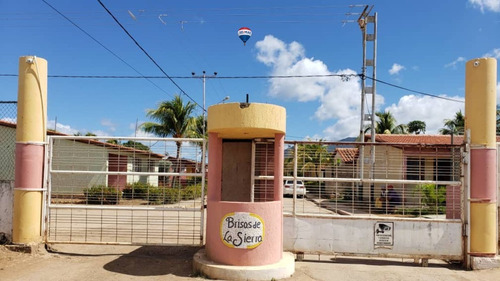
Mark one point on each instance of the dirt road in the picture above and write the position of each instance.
(86, 262)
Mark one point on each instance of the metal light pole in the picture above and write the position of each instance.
(203, 79)
(204, 149)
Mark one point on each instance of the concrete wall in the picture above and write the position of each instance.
(6, 205)
(410, 237)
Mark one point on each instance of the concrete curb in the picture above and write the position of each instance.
(479, 263)
(205, 267)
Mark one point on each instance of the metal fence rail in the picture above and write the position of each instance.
(125, 190)
(8, 115)
(404, 180)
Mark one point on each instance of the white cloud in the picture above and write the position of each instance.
(495, 53)
(339, 98)
(492, 5)
(424, 108)
(10, 120)
(61, 128)
(345, 127)
(107, 123)
(396, 68)
(454, 63)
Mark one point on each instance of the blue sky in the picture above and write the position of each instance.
(422, 45)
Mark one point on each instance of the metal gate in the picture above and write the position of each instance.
(104, 190)
(390, 199)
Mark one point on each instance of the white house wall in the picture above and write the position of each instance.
(77, 156)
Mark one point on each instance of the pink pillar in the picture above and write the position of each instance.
(214, 167)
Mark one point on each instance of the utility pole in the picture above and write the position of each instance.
(364, 20)
(204, 77)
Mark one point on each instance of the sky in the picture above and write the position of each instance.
(421, 45)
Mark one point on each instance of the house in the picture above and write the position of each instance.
(396, 157)
(344, 166)
(90, 158)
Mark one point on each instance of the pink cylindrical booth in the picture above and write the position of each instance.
(245, 175)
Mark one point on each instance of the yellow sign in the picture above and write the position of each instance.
(242, 230)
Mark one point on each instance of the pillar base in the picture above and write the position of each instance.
(478, 263)
(282, 269)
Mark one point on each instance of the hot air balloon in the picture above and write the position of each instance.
(244, 33)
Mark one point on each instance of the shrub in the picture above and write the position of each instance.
(433, 198)
(163, 195)
(191, 192)
(101, 194)
(137, 190)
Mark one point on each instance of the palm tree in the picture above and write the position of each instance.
(416, 127)
(197, 127)
(386, 124)
(454, 126)
(498, 121)
(311, 159)
(174, 120)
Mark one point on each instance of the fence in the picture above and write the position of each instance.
(125, 191)
(8, 113)
(407, 180)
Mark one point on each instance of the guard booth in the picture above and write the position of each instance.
(245, 178)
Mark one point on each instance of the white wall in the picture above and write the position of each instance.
(6, 205)
(412, 237)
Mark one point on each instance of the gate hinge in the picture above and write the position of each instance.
(464, 230)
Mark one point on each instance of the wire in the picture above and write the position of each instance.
(414, 91)
(345, 77)
(107, 49)
(147, 54)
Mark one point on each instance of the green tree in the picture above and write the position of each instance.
(386, 124)
(196, 130)
(454, 126)
(136, 145)
(173, 119)
(498, 121)
(416, 127)
(311, 159)
(88, 134)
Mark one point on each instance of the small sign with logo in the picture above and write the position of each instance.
(242, 230)
(384, 234)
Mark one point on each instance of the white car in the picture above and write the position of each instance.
(288, 188)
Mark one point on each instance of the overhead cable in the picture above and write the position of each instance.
(344, 77)
(149, 56)
(106, 48)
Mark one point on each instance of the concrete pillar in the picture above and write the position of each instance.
(480, 119)
(30, 140)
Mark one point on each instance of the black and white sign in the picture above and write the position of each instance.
(384, 234)
(242, 230)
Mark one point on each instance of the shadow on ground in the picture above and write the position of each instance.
(155, 261)
(388, 262)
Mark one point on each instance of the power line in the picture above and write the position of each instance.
(414, 91)
(106, 48)
(147, 54)
(344, 77)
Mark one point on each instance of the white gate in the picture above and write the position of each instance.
(401, 200)
(104, 190)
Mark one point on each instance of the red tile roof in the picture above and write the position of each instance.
(95, 142)
(347, 154)
(418, 139)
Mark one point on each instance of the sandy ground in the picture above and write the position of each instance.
(90, 262)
